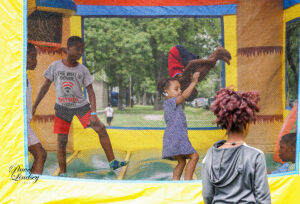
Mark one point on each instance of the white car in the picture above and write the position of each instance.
(200, 102)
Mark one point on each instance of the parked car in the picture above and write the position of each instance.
(200, 103)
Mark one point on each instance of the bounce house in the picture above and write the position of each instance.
(253, 31)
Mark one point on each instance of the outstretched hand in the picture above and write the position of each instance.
(222, 54)
(203, 66)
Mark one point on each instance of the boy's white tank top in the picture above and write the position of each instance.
(29, 100)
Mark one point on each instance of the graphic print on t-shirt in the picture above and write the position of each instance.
(69, 83)
(67, 86)
(67, 80)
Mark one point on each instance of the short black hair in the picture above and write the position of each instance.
(73, 40)
(30, 47)
(289, 139)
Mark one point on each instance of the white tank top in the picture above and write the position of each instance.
(29, 100)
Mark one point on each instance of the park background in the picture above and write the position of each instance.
(267, 46)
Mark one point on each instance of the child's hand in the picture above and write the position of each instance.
(196, 77)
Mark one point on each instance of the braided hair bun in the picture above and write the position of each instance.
(235, 109)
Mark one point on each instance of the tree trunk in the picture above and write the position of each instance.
(131, 92)
(144, 99)
(120, 95)
(127, 97)
(138, 99)
(161, 71)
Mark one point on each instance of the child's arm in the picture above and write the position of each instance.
(94, 120)
(187, 92)
(44, 89)
(204, 65)
(105, 112)
(92, 97)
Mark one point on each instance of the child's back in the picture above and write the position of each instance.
(234, 174)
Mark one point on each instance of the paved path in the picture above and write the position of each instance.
(153, 117)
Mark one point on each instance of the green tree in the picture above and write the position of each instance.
(136, 49)
(292, 54)
(113, 46)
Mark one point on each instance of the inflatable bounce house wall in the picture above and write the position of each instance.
(253, 31)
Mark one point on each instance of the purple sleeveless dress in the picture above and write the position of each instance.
(175, 140)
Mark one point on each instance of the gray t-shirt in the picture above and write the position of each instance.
(69, 83)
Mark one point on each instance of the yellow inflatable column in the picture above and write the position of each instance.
(230, 43)
(12, 90)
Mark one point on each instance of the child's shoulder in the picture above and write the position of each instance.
(82, 67)
(252, 150)
(55, 63)
(169, 103)
(170, 100)
(60, 63)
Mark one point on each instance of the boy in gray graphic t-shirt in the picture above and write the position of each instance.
(68, 83)
(69, 78)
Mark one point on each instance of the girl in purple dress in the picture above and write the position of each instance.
(176, 144)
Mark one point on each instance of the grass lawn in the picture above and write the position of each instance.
(146, 116)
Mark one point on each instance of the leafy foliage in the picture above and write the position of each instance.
(138, 48)
(292, 54)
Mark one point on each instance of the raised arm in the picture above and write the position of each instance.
(199, 65)
(204, 65)
(187, 92)
(43, 90)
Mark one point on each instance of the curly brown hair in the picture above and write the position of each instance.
(235, 109)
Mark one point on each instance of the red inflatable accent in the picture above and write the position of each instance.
(48, 47)
(286, 128)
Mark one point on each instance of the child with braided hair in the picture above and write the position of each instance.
(176, 144)
(232, 171)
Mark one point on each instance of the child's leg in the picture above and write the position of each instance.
(84, 115)
(107, 121)
(191, 165)
(179, 167)
(62, 140)
(99, 127)
(40, 156)
(37, 150)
